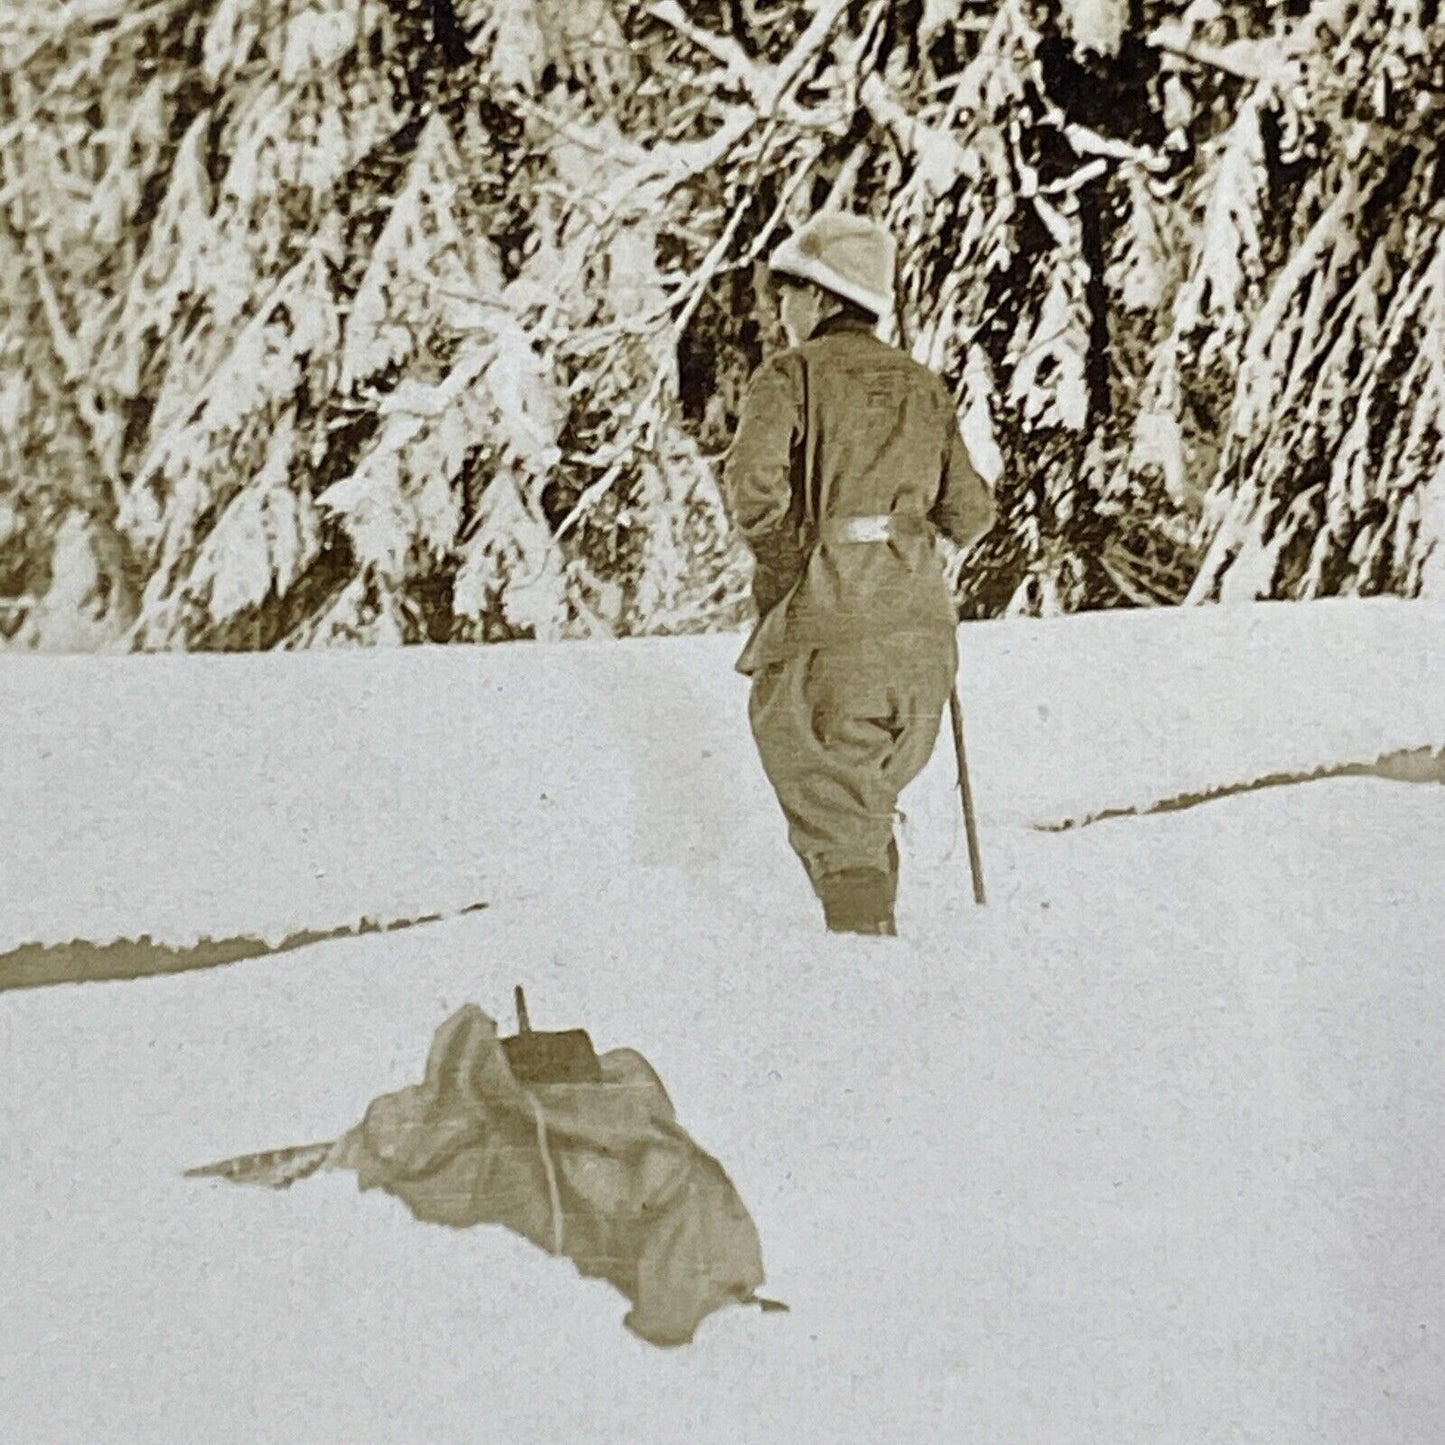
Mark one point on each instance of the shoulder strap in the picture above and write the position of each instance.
(811, 509)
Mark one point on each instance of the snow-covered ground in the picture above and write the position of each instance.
(1148, 1150)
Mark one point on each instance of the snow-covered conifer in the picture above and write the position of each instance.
(364, 320)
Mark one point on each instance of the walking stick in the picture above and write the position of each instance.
(975, 861)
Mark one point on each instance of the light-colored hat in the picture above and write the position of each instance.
(848, 255)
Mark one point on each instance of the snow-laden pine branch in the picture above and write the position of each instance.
(363, 320)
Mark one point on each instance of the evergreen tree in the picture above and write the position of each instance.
(396, 320)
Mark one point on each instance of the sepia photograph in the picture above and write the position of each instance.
(722, 721)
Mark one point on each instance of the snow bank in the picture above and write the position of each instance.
(1147, 1150)
(260, 794)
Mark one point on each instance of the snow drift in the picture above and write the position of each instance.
(1146, 1150)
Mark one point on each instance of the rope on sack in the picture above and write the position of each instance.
(554, 1193)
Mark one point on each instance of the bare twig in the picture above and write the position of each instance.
(770, 90)
(1066, 185)
(1089, 142)
(770, 226)
(723, 48)
(771, 93)
(1209, 58)
(939, 156)
(646, 420)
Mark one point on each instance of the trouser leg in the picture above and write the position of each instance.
(841, 732)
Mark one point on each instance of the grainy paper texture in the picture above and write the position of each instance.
(370, 608)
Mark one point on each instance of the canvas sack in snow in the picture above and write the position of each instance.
(597, 1170)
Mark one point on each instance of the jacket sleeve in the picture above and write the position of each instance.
(965, 507)
(758, 477)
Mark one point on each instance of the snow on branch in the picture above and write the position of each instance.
(323, 293)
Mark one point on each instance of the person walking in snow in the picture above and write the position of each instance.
(846, 461)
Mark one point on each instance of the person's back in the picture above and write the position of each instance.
(879, 439)
(882, 422)
(847, 458)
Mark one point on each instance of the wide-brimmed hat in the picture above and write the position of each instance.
(848, 255)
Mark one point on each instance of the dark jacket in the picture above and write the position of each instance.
(848, 426)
